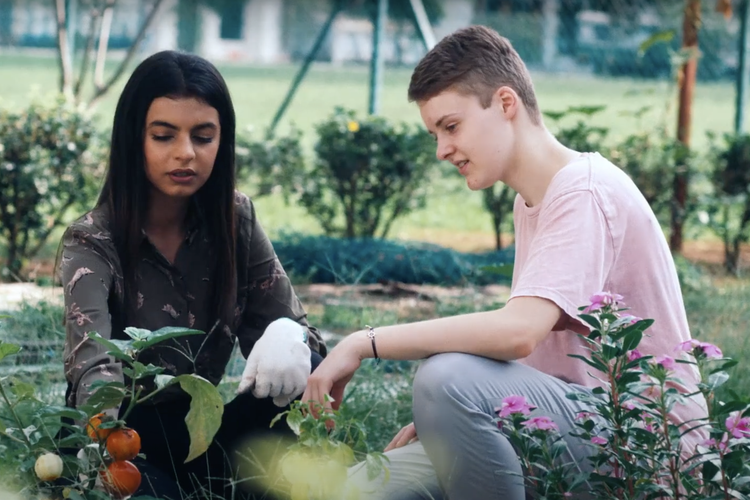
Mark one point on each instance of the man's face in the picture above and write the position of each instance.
(478, 141)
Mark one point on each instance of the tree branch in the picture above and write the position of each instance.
(95, 16)
(101, 55)
(101, 90)
(64, 56)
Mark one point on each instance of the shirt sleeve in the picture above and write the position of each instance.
(87, 277)
(570, 256)
(269, 293)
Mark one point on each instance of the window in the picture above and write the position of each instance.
(232, 19)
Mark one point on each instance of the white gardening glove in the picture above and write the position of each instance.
(279, 364)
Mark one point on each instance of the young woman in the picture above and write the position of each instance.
(171, 243)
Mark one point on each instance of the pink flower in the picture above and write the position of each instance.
(738, 425)
(687, 346)
(710, 350)
(599, 440)
(633, 355)
(628, 405)
(601, 299)
(632, 320)
(584, 415)
(721, 445)
(667, 362)
(514, 404)
(541, 423)
(646, 422)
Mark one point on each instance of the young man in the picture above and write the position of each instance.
(581, 227)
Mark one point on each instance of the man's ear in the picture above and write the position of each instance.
(508, 100)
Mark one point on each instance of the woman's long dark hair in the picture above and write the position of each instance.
(126, 189)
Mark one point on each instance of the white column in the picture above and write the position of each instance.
(550, 10)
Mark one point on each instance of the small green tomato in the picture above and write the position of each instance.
(48, 467)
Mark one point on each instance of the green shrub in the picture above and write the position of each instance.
(729, 213)
(368, 173)
(580, 136)
(650, 159)
(323, 259)
(50, 157)
(270, 164)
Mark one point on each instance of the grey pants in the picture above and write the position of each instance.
(461, 454)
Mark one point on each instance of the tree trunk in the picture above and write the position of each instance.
(690, 26)
(63, 50)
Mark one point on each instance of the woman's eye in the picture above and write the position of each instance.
(451, 127)
(161, 138)
(203, 140)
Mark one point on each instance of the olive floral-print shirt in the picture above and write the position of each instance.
(177, 294)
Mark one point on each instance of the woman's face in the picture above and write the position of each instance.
(180, 144)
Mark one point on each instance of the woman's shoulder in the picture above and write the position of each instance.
(93, 225)
(243, 207)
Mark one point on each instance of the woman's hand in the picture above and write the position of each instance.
(406, 435)
(333, 373)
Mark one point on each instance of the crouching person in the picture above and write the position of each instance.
(171, 243)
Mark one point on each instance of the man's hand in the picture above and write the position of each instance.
(279, 364)
(406, 435)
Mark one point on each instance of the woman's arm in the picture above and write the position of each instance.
(87, 278)
(268, 293)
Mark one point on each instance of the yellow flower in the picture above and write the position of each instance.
(352, 126)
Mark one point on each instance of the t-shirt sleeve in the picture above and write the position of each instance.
(570, 255)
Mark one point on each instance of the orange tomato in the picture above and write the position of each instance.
(123, 444)
(121, 478)
(93, 430)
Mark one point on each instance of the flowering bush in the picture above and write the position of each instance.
(636, 449)
(368, 173)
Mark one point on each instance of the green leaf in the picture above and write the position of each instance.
(631, 341)
(163, 334)
(294, 421)
(664, 36)
(111, 346)
(61, 412)
(554, 115)
(204, 418)
(137, 333)
(7, 349)
(593, 363)
(140, 370)
(591, 320)
(97, 384)
(586, 110)
(75, 495)
(163, 381)
(717, 379)
(21, 390)
(103, 399)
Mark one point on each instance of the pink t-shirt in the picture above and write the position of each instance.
(593, 232)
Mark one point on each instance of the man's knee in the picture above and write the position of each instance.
(442, 383)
